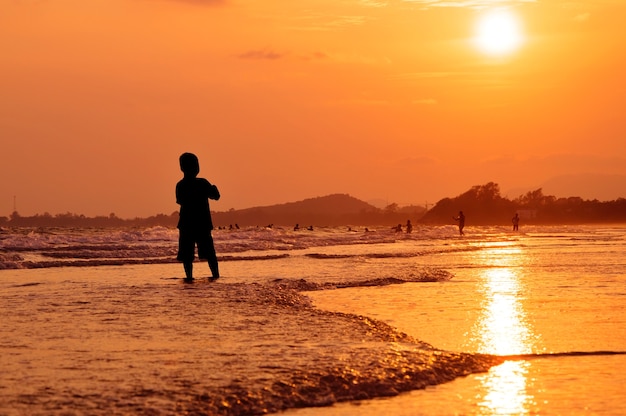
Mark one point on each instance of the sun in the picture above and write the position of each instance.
(498, 32)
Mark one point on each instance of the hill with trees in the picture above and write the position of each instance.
(331, 210)
(483, 205)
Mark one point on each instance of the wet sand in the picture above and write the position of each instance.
(110, 346)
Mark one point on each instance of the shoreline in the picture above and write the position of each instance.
(130, 347)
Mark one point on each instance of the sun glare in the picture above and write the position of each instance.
(498, 32)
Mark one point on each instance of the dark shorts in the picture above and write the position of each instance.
(187, 241)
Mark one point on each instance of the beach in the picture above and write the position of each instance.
(92, 346)
(495, 323)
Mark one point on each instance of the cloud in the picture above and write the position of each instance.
(263, 54)
(327, 23)
(323, 22)
(373, 3)
(583, 17)
(426, 75)
(320, 55)
(203, 2)
(417, 161)
(425, 101)
(471, 4)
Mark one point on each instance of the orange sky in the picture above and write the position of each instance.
(284, 100)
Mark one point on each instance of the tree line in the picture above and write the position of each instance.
(482, 205)
(81, 221)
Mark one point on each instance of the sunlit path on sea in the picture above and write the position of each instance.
(503, 329)
(541, 294)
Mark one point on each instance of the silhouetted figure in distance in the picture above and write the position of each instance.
(515, 221)
(409, 227)
(194, 223)
(461, 220)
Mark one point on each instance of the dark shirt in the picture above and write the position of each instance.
(192, 194)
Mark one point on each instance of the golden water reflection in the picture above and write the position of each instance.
(503, 329)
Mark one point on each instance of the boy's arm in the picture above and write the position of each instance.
(177, 193)
(213, 192)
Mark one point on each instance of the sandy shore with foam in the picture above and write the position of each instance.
(115, 346)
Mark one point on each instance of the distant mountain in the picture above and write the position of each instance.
(378, 203)
(585, 185)
(331, 210)
(331, 205)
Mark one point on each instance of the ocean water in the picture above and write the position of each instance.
(334, 321)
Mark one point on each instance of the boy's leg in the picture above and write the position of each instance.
(212, 259)
(188, 265)
(186, 248)
(215, 271)
(206, 250)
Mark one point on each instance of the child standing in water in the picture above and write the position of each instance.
(195, 224)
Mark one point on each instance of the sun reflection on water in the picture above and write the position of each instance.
(505, 387)
(503, 329)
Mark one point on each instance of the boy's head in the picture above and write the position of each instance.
(189, 164)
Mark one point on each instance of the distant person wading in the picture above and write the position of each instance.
(515, 221)
(461, 220)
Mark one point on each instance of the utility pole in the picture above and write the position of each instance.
(14, 203)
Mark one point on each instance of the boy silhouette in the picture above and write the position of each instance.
(194, 223)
